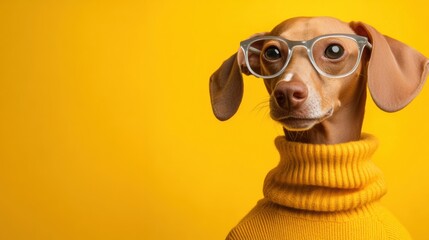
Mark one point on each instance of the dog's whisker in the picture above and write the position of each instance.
(263, 106)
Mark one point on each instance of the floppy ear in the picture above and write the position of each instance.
(226, 89)
(396, 72)
(226, 84)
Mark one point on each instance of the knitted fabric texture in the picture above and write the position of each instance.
(322, 192)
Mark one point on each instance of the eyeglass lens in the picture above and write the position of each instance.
(332, 55)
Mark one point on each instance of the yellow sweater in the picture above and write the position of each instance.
(322, 192)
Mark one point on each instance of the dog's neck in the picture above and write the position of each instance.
(345, 125)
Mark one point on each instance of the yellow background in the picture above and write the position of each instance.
(106, 129)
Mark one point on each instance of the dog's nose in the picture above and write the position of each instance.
(289, 95)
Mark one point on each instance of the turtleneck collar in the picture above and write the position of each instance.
(325, 178)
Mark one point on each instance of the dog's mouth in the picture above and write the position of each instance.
(301, 123)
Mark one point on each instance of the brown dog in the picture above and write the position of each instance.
(316, 71)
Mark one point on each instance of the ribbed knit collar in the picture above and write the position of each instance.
(325, 178)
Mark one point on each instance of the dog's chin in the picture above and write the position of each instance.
(297, 123)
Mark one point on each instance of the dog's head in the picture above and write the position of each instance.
(316, 68)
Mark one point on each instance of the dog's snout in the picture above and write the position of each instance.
(289, 95)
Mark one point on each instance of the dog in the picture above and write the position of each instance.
(317, 71)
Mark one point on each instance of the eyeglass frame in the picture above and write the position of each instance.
(361, 41)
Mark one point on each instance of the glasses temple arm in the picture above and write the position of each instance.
(369, 45)
(254, 50)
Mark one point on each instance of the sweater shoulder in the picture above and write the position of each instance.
(392, 227)
(252, 225)
(268, 220)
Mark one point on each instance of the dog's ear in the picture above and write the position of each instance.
(226, 89)
(396, 72)
(226, 84)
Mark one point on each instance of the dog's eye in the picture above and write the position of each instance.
(334, 51)
(272, 53)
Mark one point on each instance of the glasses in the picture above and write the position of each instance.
(332, 55)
